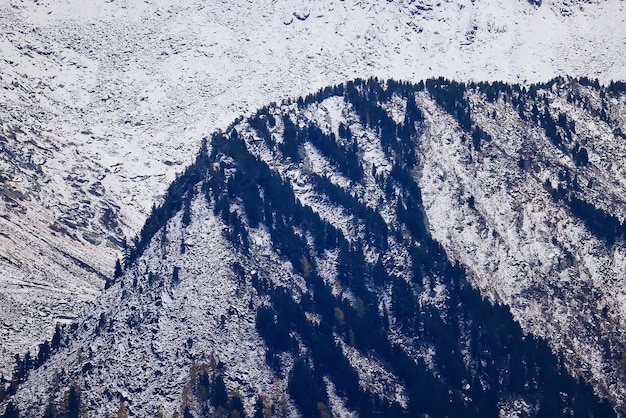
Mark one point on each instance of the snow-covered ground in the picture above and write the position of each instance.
(103, 103)
(519, 245)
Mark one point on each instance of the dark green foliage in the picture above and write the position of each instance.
(259, 124)
(73, 403)
(187, 412)
(450, 95)
(211, 393)
(585, 81)
(51, 410)
(291, 140)
(235, 406)
(375, 227)
(20, 369)
(404, 303)
(117, 273)
(176, 275)
(246, 185)
(408, 214)
(322, 94)
(604, 225)
(344, 131)
(43, 354)
(56, 338)
(345, 157)
(493, 90)
(496, 339)
(306, 389)
(549, 127)
(11, 411)
(479, 137)
(580, 155)
(616, 87)
(173, 202)
(499, 361)
(258, 408)
(413, 113)
(186, 219)
(395, 139)
(273, 329)
(219, 395)
(237, 234)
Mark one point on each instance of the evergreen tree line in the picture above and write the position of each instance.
(503, 364)
(514, 364)
(558, 129)
(494, 333)
(24, 365)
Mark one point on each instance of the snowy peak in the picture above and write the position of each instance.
(322, 257)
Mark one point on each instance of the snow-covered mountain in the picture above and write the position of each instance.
(103, 103)
(324, 256)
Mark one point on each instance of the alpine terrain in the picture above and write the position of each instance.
(105, 102)
(375, 249)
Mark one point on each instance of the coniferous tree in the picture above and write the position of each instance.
(175, 275)
(219, 396)
(73, 402)
(258, 408)
(51, 410)
(186, 219)
(187, 413)
(11, 411)
(117, 273)
(121, 411)
(44, 353)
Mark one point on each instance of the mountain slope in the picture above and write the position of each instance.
(293, 264)
(105, 102)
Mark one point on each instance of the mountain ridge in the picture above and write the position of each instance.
(306, 230)
(105, 102)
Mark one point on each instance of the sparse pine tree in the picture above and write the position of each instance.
(73, 402)
(175, 275)
(12, 411)
(18, 372)
(187, 209)
(258, 408)
(121, 411)
(187, 413)
(160, 413)
(51, 410)
(44, 353)
(125, 253)
(117, 273)
(219, 397)
(236, 406)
